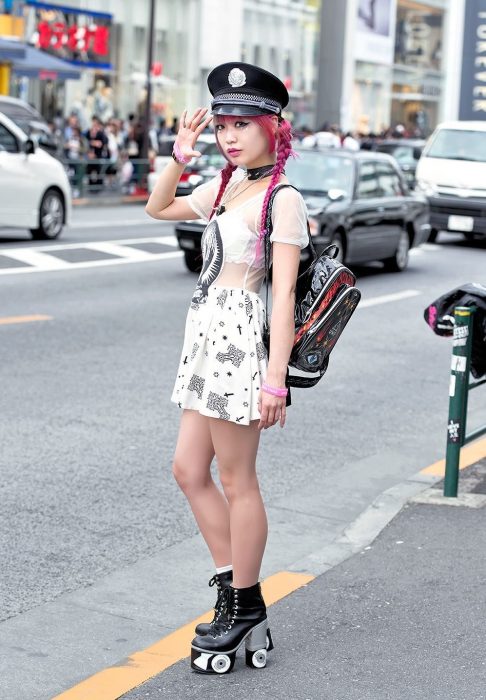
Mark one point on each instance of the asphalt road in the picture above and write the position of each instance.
(88, 430)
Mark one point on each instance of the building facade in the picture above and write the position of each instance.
(190, 38)
(384, 63)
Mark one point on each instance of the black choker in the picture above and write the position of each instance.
(257, 173)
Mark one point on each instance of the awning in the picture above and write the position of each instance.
(39, 64)
(10, 50)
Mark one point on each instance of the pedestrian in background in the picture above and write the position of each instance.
(228, 387)
(97, 152)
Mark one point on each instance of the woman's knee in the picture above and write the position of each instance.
(190, 476)
(237, 484)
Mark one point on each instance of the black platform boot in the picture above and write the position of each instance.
(243, 618)
(222, 581)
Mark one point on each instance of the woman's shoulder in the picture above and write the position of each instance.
(287, 194)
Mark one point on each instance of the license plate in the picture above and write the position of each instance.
(460, 223)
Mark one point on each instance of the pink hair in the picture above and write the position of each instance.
(281, 141)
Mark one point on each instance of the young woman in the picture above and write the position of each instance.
(228, 388)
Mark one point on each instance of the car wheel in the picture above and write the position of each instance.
(51, 216)
(338, 240)
(432, 235)
(193, 261)
(399, 261)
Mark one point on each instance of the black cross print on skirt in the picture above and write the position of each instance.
(228, 395)
(239, 328)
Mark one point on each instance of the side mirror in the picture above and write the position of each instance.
(417, 152)
(28, 147)
(336, 194)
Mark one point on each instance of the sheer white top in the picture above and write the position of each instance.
(237, 230)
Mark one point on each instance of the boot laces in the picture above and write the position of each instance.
(228, 612)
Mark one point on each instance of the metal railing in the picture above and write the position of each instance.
(92, 177)
(459, 389)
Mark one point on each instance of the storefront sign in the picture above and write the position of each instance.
(375, 29)
(473, 83)
(77, 36)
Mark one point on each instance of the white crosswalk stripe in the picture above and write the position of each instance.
(44, 259)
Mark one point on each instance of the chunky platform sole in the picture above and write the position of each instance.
(258, 642)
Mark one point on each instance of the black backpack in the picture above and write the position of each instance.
(325, 299)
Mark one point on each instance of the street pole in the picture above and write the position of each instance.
(150, 61)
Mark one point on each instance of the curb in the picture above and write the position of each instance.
(368, 525)
(109, 201)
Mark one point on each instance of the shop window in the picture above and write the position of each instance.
(388, 180)
(368, 182)
(8, 142)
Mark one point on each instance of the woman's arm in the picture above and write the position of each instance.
(162, 203)
(285, 267)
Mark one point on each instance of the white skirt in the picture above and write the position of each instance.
(223, 359)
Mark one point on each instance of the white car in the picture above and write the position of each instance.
(451, 173)
(34, 188)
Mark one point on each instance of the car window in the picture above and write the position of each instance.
(8, 142)
(388, 180)
(318, 172)
(368, 181)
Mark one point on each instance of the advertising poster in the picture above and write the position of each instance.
(375, 28)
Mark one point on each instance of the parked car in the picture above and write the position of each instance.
(30, 121)
(406, 152)
(452, 174)
(34, 188)
(357, 200)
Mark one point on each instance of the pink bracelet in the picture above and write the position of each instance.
(179, 156)
(274, 391)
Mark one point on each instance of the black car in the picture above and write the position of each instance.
(406, 152)
(357, 200)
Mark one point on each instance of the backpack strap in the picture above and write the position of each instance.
(269, 229)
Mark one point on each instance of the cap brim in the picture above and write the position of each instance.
(238, 110)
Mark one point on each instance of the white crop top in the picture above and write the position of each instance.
(229, 241)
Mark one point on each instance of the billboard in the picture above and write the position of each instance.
(82, 37)
(472, 104)
(375, 28)
(419, 35)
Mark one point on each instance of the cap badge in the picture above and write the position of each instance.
(236, 78)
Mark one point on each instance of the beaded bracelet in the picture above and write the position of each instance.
(178, 155)
(274, 391)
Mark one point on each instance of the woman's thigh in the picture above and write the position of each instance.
(194, 450)
(236, 448)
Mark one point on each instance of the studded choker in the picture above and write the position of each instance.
(258, 173)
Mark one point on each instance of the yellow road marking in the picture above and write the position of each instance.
(24, 319)
(470, 454)
(113, 682)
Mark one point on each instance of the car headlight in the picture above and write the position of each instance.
(427, 188)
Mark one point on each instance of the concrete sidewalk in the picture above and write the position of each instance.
(403, 619)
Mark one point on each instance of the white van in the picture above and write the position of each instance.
(34, 188)
(452, 174)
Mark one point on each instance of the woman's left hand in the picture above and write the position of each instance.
(272, 410)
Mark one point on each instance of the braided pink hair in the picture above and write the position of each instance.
(284, 151)
(226, 174)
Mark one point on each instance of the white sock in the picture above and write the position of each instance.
(224, 569)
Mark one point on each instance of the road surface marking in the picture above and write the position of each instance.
(35, 258)
(115, 681)
(387, 298)
(6, 320)
(90, 263)
(470, 454)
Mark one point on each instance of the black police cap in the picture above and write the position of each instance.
(242, 89)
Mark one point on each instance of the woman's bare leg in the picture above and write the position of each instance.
(192, 461)
(236, 450)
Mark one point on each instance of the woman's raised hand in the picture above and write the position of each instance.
(190, 129)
